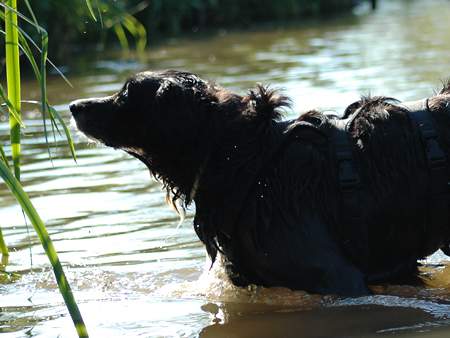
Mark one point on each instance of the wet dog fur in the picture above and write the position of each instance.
(266, 191)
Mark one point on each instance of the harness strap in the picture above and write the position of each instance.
(288, 131)
(438, 193)
(353, 231)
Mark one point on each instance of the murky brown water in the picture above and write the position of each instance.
(136, 275)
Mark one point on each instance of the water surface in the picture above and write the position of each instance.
(133, 272)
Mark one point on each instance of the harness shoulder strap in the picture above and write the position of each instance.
(353, 231)
(438, 201)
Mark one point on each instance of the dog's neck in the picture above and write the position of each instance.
(198, 177)
(196, 183)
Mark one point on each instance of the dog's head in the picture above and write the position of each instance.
(170, 120)
(151, 108)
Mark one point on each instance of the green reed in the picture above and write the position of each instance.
(16, 38)
(28, 208)
(13, 82)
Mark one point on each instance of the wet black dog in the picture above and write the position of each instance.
(269, 194)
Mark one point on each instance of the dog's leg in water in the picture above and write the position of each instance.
(336, 274)
(305, 257)
(344, 279)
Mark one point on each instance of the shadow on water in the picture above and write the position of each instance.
(355, 321)
(133, 273)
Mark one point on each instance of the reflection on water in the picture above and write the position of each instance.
(133, 272)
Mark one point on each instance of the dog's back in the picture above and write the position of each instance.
(380, 237)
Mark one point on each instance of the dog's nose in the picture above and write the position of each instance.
(74, 107)
(79, 106)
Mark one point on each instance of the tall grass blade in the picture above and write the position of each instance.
(64, 287)
(12, 109)
(13, 9)
(137, 30)
(43, 84)
(3, 156)
(27, 3)
(121, 36)
(69, 138)
(25, 47)
(13, 81)
(3, 248)
(100, 16)
(38, 71)
(91, 10)
(30, 40)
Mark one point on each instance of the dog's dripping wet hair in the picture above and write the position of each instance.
(445, 87)
(177, 203)
(266, 103)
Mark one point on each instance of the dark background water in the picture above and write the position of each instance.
(133, 272)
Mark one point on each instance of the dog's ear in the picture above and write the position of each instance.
(266, 103)
(167, 86)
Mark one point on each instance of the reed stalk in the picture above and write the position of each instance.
(28, 208)
(13, 81)
(12, 176)
(3, 248)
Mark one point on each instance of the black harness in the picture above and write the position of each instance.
(350, 184)
(438, 214)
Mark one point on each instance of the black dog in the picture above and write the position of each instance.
(318, 203)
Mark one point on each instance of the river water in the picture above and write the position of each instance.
(133, 272)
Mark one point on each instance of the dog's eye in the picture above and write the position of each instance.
(124, 93)
(125, 90)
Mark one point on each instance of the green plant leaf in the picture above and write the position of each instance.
(26, 37)
(121, 36)
(91, 10)
(3, 247)
(99, 13)
(43, 86)
(13, 10)
(137, 30)
(55, 113)
(12, 110)
(13, 81)
(22, 198)
(25, 47)
(38, 71)
(27, 3)
(3, 156)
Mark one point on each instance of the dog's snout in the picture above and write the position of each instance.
(90, 105)
(76, 106)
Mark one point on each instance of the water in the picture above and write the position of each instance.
(133, 273)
